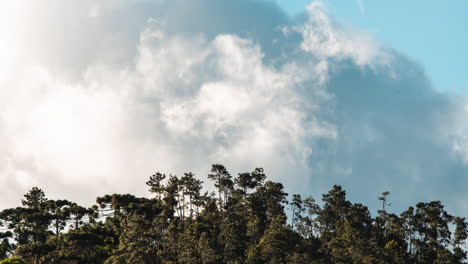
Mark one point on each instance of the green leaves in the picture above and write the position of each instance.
(13, 260)
(246, 223)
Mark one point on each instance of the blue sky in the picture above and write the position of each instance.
(431, 32)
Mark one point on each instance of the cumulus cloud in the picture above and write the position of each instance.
(181, 102)
(94, 103)
(325, 39)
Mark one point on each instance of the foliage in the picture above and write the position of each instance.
(244, 221)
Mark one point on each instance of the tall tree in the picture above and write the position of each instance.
(245, 224)
(156, 184)
(297, 209)
(223, 182)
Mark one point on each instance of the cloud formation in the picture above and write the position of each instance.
(95, 103)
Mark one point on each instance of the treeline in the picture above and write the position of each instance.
(243, 221)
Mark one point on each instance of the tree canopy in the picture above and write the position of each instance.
(244, 221)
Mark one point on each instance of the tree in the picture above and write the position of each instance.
(188, 245)
(35, 198)
(245, 224)
(383, 198)
(351, 243)
(234, 236)
(223, 182)
(307, 224)
(459, 237)
(275, 199)
(171, 194)
(207, 249)
(431, 228)
(191, 187)
(13, 260)
(156, 184)
(297, 209)
(138, 241)
(250, 180)
(60, 213)
(334, 210)
(394, 253)
(278, 242)
(461, 231)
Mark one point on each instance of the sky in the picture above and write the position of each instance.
(95, 96)
(431, 33)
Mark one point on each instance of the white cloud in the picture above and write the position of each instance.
(325, 39)
(184, 103)
(459, 134)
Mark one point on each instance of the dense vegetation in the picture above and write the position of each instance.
(243, 221)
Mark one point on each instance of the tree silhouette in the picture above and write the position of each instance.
(243, 222)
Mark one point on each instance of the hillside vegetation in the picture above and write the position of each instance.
(243, 221)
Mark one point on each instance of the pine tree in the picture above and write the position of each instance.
(245, 224)
(223, 182)
(156, 184)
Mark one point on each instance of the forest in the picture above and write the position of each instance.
(246, 219)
